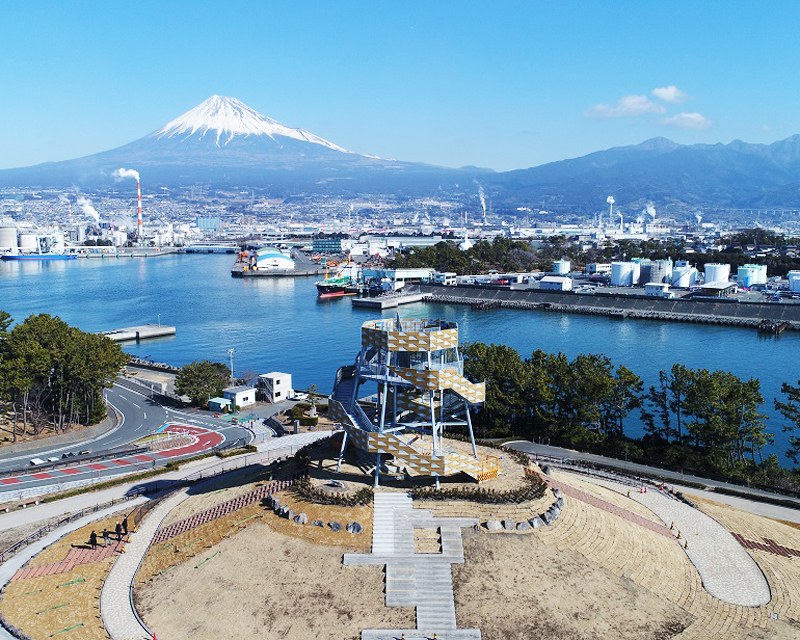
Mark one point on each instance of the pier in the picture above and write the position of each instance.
(143, 332)
(391, 301)
(719, 312)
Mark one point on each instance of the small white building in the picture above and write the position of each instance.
(241, 396)
(658, 290)
(276, 386)
(598, 268)
(447, 278)
(556, 283)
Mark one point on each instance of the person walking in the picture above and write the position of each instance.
(106, 535)
(125, 525)
(118, 529)
(93, 540)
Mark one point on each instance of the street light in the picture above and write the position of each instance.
(230, 353)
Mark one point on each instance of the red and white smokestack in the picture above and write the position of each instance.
(139, 199)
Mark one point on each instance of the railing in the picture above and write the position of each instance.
(14, 548)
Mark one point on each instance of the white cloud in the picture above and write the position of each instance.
(627, 106)
(687, 121)
(670, 94)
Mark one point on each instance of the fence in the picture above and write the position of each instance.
(10, 551)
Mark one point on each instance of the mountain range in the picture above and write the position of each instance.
(223, 142)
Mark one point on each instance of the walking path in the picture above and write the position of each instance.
(10, 568)
(727, 570)
(116, 598)
(421, 580)
(76, 556)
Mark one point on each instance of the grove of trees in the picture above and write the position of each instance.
(52, 375)
(202, 380)
(694, 419)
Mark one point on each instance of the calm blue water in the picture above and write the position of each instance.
(279, 325)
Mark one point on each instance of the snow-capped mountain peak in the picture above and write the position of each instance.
(226, 118)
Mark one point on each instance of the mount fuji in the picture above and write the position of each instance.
(223, 142)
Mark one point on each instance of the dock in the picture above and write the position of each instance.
(390, 301)
(238, 271)
(143, 332)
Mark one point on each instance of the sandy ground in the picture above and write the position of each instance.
(264, 584)
(9, 537)
(518, 588)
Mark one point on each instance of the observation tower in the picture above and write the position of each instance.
(418, 388)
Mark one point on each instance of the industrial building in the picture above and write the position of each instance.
(555, 283)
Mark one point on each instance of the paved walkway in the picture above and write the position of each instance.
(421, 580)
(727, 570)
(10, 568)
(75, 556)
(116, 606)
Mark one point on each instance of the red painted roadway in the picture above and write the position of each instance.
(203, 440)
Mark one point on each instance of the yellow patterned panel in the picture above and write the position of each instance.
(443, 379)
(373, 335)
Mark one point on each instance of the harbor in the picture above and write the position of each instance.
(281, 324)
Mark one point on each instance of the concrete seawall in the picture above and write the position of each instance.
(724, 312)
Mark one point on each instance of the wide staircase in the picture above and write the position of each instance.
(366, 436)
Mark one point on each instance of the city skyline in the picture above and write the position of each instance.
(509, 87)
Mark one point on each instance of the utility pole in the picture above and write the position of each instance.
(230, 353)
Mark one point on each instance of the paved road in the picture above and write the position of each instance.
(142, 415)
(759, 508)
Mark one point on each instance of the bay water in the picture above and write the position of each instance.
(279, 324)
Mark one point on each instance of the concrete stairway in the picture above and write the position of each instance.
(421, 580)
(383, 522)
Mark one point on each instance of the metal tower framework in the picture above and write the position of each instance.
(421, 390)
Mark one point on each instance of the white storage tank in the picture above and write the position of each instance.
(625, 274)
(561, 267)
(684, 277)
(8, 238)
(28, 242)
(745, 276)
(758, 272)
(794, 281)
(716, 272)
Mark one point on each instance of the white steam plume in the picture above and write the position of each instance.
(86, 206)
(126, 173)
(651, 210)
(482, 196)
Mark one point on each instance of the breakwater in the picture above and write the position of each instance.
(719, 312)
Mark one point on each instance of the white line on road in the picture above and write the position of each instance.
(135, 405)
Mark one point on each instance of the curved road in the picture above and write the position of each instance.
(142, 415)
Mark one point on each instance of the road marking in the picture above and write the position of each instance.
(135, 405)
(145, 415)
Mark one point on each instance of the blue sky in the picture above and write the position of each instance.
(495, 84)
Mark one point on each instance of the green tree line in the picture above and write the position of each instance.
(52, 375)
(695, 419)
